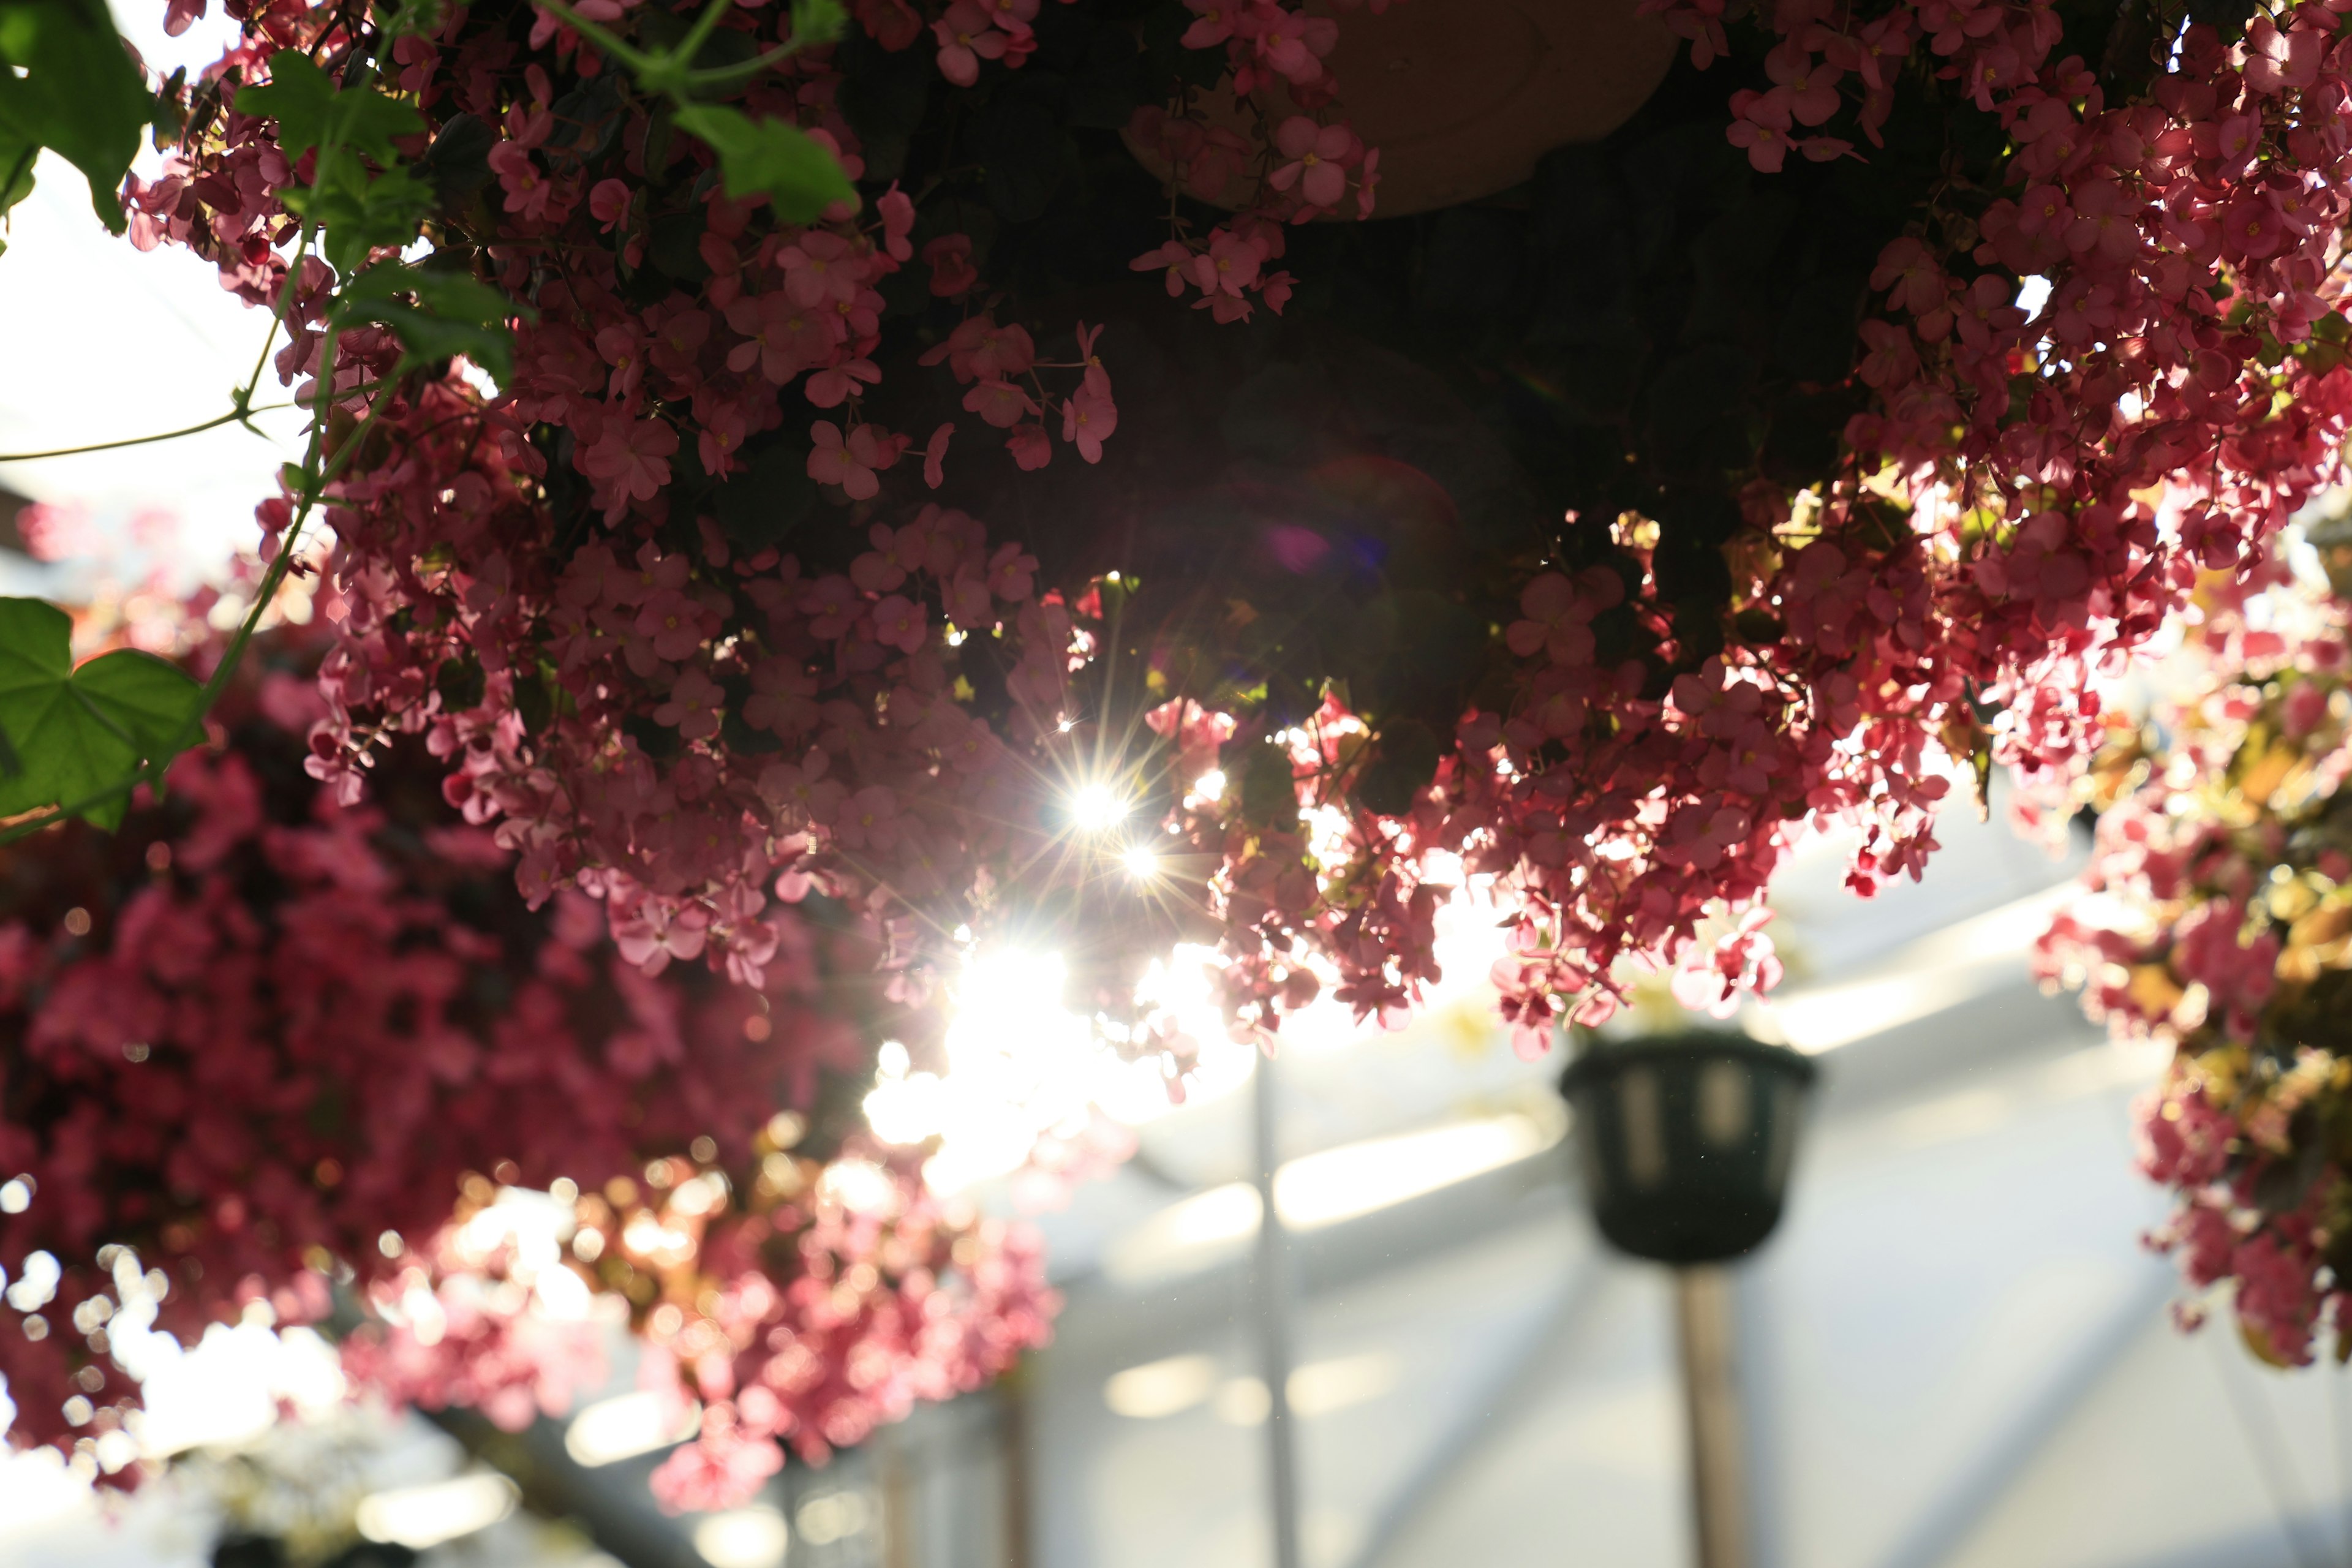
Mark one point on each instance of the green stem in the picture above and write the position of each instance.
(743, 71)
(277, 316)
(682, 58)
(232, 416)
(318, 478)
(608, 42)
(272, 580)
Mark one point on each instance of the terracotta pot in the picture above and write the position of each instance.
(1461, 97)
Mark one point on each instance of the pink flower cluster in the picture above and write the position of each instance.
(261, 1035)
(1299, 167)
(2222, 923)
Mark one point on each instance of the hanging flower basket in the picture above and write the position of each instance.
(1462, 98)
(1686, 1141)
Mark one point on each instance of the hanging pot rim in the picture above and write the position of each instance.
(1606, 1061)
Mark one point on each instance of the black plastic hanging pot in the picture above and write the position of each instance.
(1687, 1141)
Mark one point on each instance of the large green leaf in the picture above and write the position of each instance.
(770, 157)
(69, 736)
(67, 83)
(357, 209)
(357, 213)
(312, 111)
(454, 313)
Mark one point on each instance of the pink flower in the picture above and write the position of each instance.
(634, 454)
(819, 269)
(1291, 42)
(2251, 226)
(836, 384)
(851, 463)
(1030, 446)
(673, 624)
(2234, 142)
(1174, 257)
(1012, 574)
(896, 210)
(1087, 420)
(661, 930)
(868, 819)
(799, 792)
(624, 349)
(781, 336)
(1560, 612)
(1213, 21)
(980, 350)
(1229, 265)
(692, 709)
(949, 258)
(1317, 154)
(2043, 209)
(832, 605)
(1909, 274)
(999, 403)
(1761, 126)
(1810, 82)
(966, 39)
(899, 623)
(608, 204)
(2281, 62)
(527, 190)
(935, 453)
(1889, 358)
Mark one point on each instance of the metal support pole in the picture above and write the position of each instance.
(1711, 1397)
(1271, 1297)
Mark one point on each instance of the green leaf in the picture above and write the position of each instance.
(74, 735)
(77, 94)
(818, 22)
(357, 213)
(16, 169)
(312, 111)
(770, 157)
(454, 313)
(357, 210)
